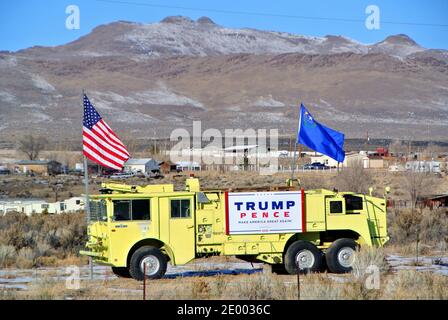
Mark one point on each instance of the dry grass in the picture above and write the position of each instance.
(264, 286)
(429, 226)
(367, 257)
(411, 284)
(7, 255)
(406, 284)
(41, 240)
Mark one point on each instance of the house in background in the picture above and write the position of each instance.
(188, 166)
(433, 201)
(69, 205)
(354, 158)
(379, 152)
(38, 206)
(43, 167)
(144, 165)
(167, 167)
(377, 162)
(397, 168)
(351, 159)
(423, 166)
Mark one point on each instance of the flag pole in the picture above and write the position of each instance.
(294, 161)
(86, 201)
(295, 145)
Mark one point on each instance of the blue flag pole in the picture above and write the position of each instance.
(294, 161)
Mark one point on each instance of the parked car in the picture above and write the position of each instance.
(315, 166)
(5, 171)
(122, 175)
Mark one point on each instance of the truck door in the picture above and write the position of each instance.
(335, 211)
(181, 227)
(131, 222)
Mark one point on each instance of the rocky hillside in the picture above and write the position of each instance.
(147, 79)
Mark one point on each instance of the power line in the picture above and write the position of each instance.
(263, 14)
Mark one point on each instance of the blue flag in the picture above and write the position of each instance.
(319, 137)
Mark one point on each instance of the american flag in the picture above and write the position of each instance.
(100, 143)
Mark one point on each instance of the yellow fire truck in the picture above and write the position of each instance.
(136, 228)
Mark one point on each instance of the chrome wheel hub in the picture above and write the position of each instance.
(150, 265)
(346, 257)
(305, 259)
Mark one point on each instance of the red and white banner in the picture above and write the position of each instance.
(265, 212)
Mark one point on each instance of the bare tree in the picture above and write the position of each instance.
(354, 178)
(431, 151)
(130, 143)
(417, 184)
(398, 146)
(32, 146)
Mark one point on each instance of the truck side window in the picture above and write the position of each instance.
(141, 210)
(180, 208)
(131, 210)
(352, 202)
(335, 206)
(122, 210)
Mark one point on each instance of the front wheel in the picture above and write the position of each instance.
(341, 255)
(304, 254)
(150, 260)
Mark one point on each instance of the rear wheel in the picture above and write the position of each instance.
(341, 255)
(304, 254)
(121, 272)
(148, 259)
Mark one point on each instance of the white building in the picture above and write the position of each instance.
(30, 206)
(350, 160)
(79, 166)
(144, 165)
(396, 168)
(423, 166)
(323, 159)
(188, 166)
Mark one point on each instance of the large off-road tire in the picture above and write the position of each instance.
(121, 272)
(341, 255)
(308, 255)
(155, 260)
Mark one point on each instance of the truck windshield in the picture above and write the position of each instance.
(98, 210)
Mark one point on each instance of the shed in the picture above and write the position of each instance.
(167, 167)
(45, 167)
(144, 165)
(376, 162)
(434, 201)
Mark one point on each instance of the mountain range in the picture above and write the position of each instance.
(148, 79)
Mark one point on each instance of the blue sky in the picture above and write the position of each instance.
(27, 23)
